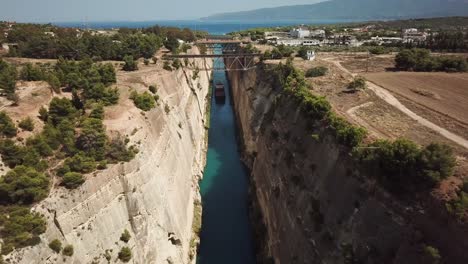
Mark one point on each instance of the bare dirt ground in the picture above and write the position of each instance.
(441, 94)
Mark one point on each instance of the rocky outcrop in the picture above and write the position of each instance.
(151, 196)
(311, 202)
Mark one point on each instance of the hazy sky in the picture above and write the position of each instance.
(132, 10)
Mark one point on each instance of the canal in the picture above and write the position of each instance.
(226, 232)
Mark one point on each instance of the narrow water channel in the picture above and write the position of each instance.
(226, 233)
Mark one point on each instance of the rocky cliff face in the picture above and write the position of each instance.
(152, 196)
(310, 202)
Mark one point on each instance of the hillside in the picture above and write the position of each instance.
(354, 9)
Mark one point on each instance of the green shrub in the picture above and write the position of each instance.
(125, 237)
(7, 78)
(68, 250)
(144, 101)
(7, 127)
(23, 185)
(19, 227)
(153, 89)
(61, 109)
(43, 114)
(167, 66)
(72, 180)
(316, 71)
(27, 124)
(345, 132)
(117, 151)
(97, 112)
(176, 64)
(432, 255)
(458, 206)
(130, 64)
(81, 163)
(56, 245)
(92, 140)
(54, 82)
(39, 144)
(31, 72)
(125, 254)
(379, 50)
(357, 84)
(403, 166)
(12, 154)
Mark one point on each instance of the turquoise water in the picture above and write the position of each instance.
(226, 233)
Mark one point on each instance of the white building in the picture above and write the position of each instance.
(311, 42)
(310, 55)
(289, 42)
(318, 33)
(299, 33)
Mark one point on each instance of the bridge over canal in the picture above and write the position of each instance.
(221, 48)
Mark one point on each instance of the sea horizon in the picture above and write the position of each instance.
(213, 27)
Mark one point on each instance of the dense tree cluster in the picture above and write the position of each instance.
(19, 227)
(445, 41)
(89, 80)
(422, 60)
(7, 127)
(404, 167)
(130, 64)
(34, 42)
(7, 78)
(279, 52)
(46, 41)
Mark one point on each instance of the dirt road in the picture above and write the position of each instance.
(390, 99)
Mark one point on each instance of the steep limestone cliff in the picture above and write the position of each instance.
(153, 195)
(312, 204)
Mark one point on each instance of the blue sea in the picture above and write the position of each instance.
(212, 27)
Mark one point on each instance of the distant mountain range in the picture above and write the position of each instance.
(353, 10)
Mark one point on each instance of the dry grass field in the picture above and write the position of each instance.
(443, 94)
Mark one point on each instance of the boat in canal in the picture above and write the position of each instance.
(220, 94)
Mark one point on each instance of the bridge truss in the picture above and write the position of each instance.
(223, 62)
(225, 53)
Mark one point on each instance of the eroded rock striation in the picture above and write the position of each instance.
(153, 195)
(311, 202)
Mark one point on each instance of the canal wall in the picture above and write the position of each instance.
(154, 196)
(311, 204)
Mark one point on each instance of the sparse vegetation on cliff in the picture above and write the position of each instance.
(145, 101)
(402, 165)
(55, 245)
(125, 254)
(68, 250)
(317, 108)
(69, 134)
(125, 237)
